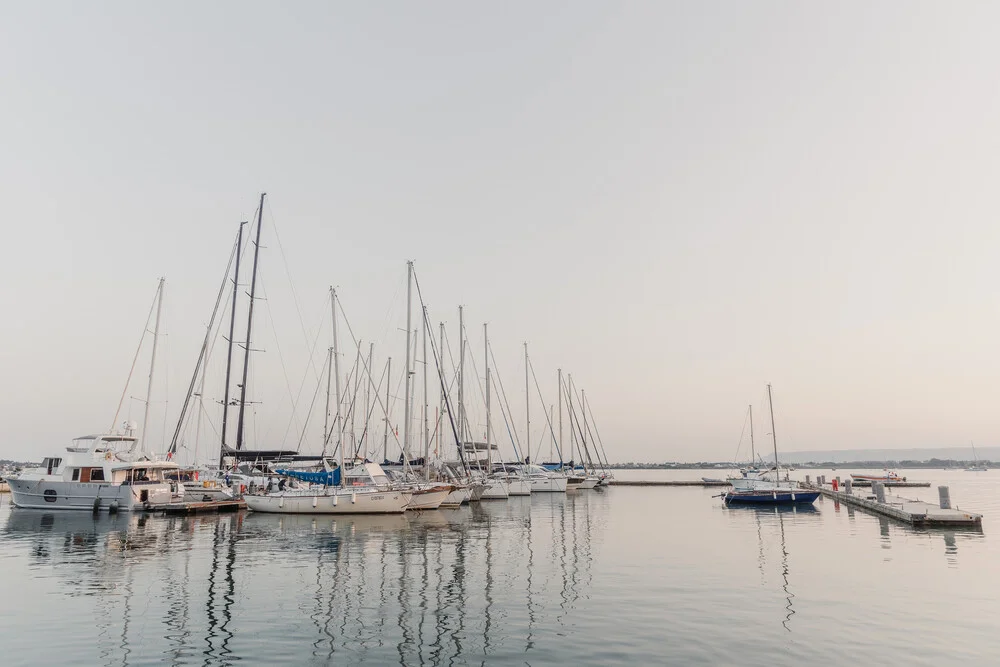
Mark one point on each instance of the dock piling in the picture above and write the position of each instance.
(848, 486)
(945, 497)
(879, 490)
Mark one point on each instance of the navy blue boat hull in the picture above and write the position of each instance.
(797, 497)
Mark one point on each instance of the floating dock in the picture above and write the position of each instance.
(913, 512)
(682, 482)
(199, 507)
(864, 482)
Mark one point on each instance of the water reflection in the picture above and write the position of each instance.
(434, 588)
(776, 516)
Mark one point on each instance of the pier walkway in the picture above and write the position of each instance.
(913, 512)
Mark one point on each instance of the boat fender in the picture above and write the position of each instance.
(315, 501)
(113, 507)
(354, 496)
(793, 496)
(335, 500)
(97, 505)
(281, 502)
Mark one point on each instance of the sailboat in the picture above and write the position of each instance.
(977, 466)
(759, 490)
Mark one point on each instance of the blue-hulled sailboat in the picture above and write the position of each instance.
(754, 488)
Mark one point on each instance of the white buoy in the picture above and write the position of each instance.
(281, 502)
(335, 500)
(354, 496)
(315, 501)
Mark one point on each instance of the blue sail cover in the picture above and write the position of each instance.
(331, 478)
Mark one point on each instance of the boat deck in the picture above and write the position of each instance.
(913, 512)
(199, 507)
(865, 482)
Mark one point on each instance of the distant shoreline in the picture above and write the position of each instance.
(811, 465)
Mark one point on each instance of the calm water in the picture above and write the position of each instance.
(637, 575)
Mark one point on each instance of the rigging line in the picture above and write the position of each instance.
(506, 423)
(312, 404)
(597, 433)
(364, 363)
(583, 440)
(503, 393)
(291, 284)
(371, 410)
(145, 330)
(437, 365)
(739, 445)
(281, 359)
(547, 419)
(305, 374)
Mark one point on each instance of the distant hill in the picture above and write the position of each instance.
(845, 455)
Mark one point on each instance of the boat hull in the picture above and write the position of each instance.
(589, 483)
(519, 487)
(429, 499)
(548, 485)
(338, 502)
(497, 489)
(773, 497)
(457, 498)
(56, 495)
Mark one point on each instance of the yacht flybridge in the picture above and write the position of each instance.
(97, 473)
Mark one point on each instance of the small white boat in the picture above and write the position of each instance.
(544, 481)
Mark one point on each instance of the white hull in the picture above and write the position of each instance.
(430, 499)
(197, 494)
(589, 483)
(548, 485)
(519, 487)
(476, 491)
(56, 495)
(457, 498)
(340, 501)
(497, 490)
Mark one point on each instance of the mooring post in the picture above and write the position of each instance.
(879, 489)
(945, 497)
(848, 484)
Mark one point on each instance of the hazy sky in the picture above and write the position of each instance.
(677, 202)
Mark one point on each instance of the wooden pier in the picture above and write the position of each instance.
(913, 512)
(199, 507)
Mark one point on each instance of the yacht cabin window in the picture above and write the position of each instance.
(76, 474)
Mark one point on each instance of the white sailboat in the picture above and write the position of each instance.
(977, 466)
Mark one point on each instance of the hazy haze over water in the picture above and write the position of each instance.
(677, 203)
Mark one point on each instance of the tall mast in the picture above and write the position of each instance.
(489, 450)
(753, 455)
(583, 397)
(246, 356)
(152, 366)
(440, 422)
(572, 431)
(368, 393)
(385, 436)
(229, 354)
(427, 431)
(406, 395)
(326, 417)
(461, 377)
(527, 403)
(337, 424)
(560, 392)
(774, 438)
